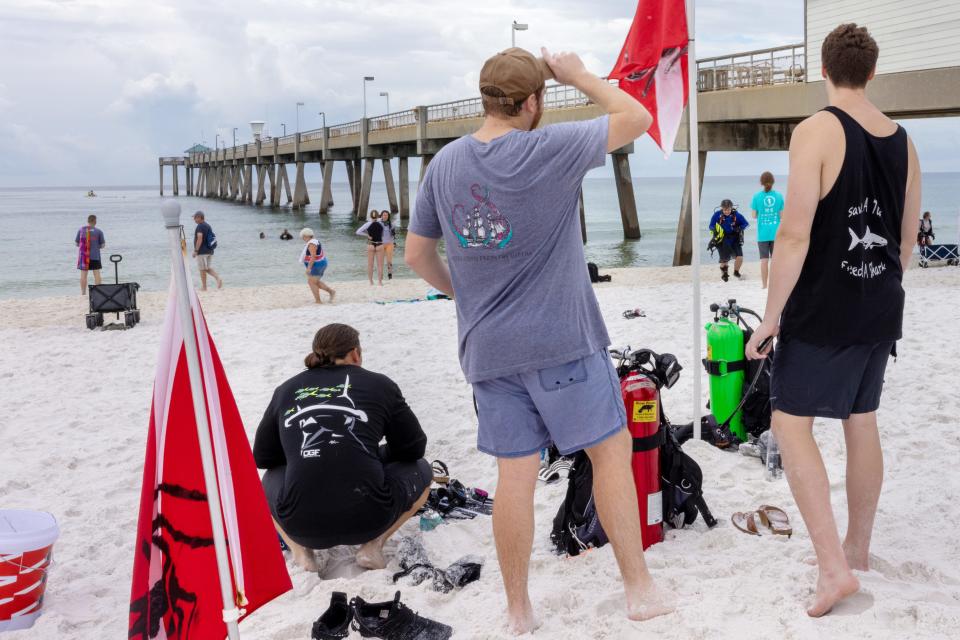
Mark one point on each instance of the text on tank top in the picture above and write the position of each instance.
(849, 290)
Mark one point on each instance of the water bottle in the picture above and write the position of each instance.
(774, 466)
(429, 520)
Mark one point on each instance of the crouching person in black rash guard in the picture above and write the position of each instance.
(329, 481)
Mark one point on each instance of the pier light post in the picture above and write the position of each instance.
(284, 128)
(386, 94)
(323, 119)
(299, 104)
(366, 79)
(516, 26)
(234, 136)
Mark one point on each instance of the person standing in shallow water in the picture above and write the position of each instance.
(389, 238)
(836, 301)
(538, 377)
(767, 205)
(89, 242)
(373, 231)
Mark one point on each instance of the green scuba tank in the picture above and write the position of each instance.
(726, 366)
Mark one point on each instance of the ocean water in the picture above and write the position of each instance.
(39, 255)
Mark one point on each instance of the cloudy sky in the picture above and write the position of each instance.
(92, 91)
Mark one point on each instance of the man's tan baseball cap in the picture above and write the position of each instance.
(516, 72)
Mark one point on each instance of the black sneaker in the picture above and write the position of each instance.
(724, 275)
(335, 621)
(392, 620)
(736, 273)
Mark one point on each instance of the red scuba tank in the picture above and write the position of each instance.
(642, 401)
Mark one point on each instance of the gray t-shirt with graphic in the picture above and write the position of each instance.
(508, 212)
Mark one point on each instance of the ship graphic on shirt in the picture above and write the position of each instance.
(869, 240)
(326, 424)
(482, 225)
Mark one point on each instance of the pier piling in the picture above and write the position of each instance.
(628, 202)
(404, 170)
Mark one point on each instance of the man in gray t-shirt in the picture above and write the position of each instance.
(532, 339)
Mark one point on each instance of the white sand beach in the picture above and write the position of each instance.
(75, 407)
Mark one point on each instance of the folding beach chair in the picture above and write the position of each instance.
(948, 253)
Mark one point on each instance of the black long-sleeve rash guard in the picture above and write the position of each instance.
(325, 426)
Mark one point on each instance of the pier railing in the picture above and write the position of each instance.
(779, 65)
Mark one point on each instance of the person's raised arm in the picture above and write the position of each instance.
(628, 118)
(911, 207)
(793, 235)
(362, 231)
(420, 254)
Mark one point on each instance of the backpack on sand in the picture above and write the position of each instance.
(594, 272)
(576, 526)
(681, 482)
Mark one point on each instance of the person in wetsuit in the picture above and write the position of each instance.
(727, 227)
(329, 481)
(373, 231)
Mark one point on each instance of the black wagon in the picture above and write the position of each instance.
(119, 297)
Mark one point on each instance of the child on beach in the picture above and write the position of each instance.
(89, 241)
(836, 301)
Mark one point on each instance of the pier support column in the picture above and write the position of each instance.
(248, 184)
(284, 180)
(364, 202)
(628, 203)
(404, 169)
(326, 193)
(300, 189)
(176, 179)
(261, 177)
(391, 187)
(583, 218)
(352, 179)
(161, 178)
(424, 161)
(683, 250)
(357, 180)
(275, 186)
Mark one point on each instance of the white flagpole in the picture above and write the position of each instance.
(694, 148)
(171, 219)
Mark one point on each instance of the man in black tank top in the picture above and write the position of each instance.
(836, 301)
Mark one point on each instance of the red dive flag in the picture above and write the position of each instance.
(652, 66)
(176, 588)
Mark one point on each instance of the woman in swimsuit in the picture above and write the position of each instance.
(389, 236)
(373, 230)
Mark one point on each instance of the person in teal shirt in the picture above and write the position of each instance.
(767, 205)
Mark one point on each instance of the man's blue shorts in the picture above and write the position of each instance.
(575, 405)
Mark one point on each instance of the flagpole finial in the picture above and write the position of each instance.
(171, 213)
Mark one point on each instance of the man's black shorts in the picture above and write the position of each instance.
(408, 481)
(729, 251)
(827, 381)
(93, 265)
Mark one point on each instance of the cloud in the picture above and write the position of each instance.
(152, 78)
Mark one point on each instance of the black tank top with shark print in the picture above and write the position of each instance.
(849, 291)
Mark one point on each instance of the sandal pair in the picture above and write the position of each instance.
(774, 519)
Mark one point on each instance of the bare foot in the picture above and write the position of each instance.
(522, 622)
(305, 559)
(857, 560)
(333, 294)
(203, 288)
(220, 284)
(318, 301)
(370, 556)
(830, 591)
(649, 602)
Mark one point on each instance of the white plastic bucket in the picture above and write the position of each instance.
(26, 547)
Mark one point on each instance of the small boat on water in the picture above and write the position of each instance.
(91, 194)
